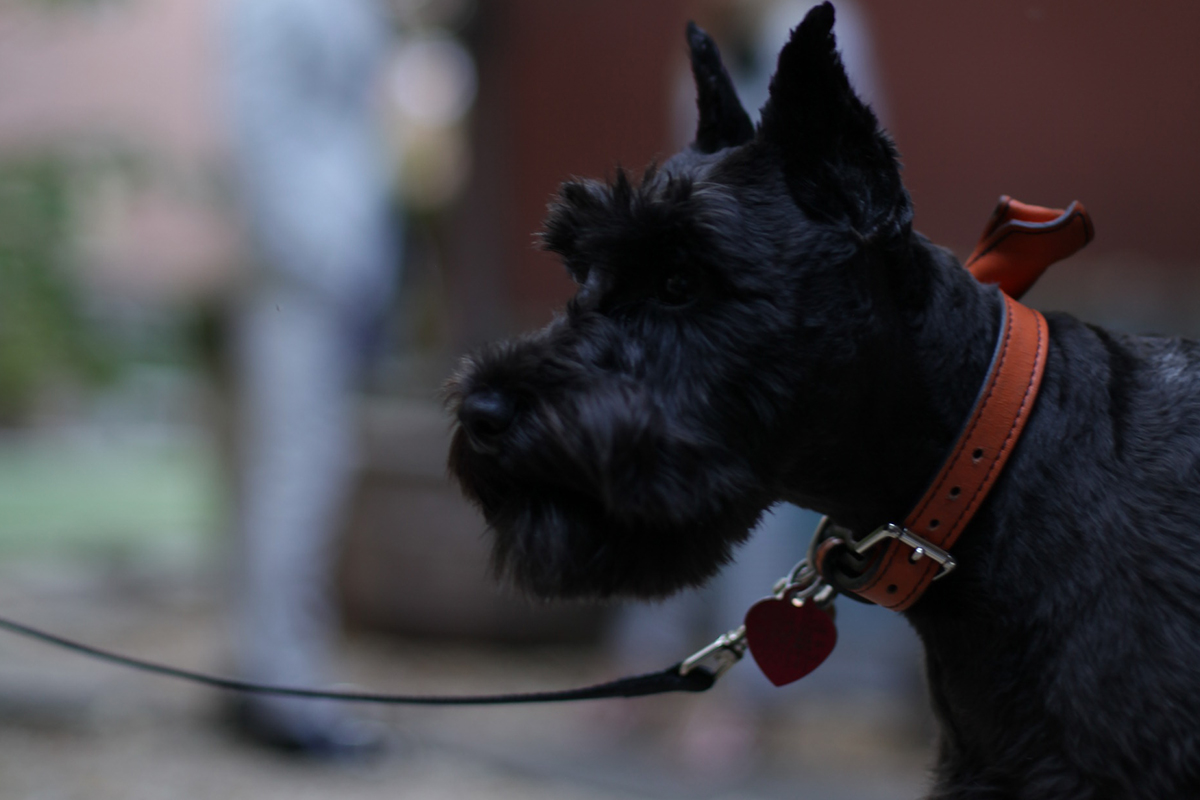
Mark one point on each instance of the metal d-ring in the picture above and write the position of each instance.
(804, 583)
(818, 591)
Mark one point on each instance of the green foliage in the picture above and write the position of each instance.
(43, 331)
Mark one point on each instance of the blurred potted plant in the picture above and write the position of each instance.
(44, 332)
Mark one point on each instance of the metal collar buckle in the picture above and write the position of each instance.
(920, 547)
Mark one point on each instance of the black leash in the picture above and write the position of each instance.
(697, 673)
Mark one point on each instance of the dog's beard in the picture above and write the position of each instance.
(601, 495)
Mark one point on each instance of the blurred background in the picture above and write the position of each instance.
(154, 216)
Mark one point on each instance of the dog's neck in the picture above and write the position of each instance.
(899, 410)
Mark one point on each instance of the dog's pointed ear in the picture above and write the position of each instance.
(723, 121)
(838, 162)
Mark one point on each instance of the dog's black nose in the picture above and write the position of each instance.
(485, 415)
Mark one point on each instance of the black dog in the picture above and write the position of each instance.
(758, 321)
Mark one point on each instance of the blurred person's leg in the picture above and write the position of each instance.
(779, 542)
(296, 441)
(725, 735)
(722, 735)
(313, 178)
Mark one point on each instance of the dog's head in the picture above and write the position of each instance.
(630, 444)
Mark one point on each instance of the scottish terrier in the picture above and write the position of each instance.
(757, 321)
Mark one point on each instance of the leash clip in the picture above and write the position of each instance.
(720, 656)
(920, 547)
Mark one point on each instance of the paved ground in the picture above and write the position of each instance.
(71, 728)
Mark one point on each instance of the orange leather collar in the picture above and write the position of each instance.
(1018, 244)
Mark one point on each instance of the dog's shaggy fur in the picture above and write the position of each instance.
(757, 321)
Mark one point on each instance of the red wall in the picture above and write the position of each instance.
(1049, 102)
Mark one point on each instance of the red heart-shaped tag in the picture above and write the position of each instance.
(788, 641)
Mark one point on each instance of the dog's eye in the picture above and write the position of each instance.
(578, 272)
(679, 288)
